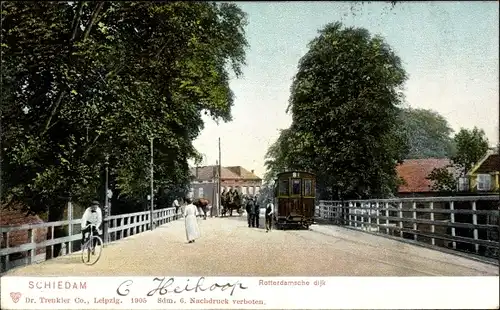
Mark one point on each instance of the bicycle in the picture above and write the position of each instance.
(89, 248)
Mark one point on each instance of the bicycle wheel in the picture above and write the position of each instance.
(86, 252)
(91, 253)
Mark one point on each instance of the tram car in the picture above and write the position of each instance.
(294, 194)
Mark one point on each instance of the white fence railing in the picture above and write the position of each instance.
(118, 227)
(469, 224)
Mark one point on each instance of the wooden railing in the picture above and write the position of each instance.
(118, 227)
(468, 224)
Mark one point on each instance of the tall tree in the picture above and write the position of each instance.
(344, 103)
(429, 134)
(471, 146)
(84, 80)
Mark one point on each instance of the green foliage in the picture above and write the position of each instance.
(443, 179)
(472, 145)
(83, 80)
(429, 134)
(344, 103)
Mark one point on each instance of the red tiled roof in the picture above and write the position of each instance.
(207, 173)
(415, 172)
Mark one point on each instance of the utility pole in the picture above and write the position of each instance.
(152, 199)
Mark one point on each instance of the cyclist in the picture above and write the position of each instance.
(92, 216)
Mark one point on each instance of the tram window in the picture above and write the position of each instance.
(307, 187)
(283, 188)
(296, 187)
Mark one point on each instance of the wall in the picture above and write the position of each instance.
(15, 217)
(208, 190)
(242, 183)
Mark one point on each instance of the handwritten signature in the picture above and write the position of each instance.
(168, 286)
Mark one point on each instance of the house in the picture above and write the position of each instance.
(483, 179)
(414, 173)
(205, 178)
(484, 176)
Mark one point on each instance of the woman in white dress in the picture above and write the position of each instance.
(190, 214)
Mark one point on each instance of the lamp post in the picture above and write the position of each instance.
(106, 203)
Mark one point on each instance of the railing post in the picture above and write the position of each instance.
(433, 229)
(400, 207)
(31, 237)
(355, 214)
(345, 210)
(414, 216)
(116, 231)
(5, 236)
(52, 231)
(452, 221)
(474, 222)
(387, 218)
(362, 215)
(370, 216)
(377, 205)
(70, 226)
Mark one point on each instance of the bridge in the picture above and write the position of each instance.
(351, 238)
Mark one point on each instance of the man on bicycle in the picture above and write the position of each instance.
(92, 216)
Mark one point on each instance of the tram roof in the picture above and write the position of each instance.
(294, 171)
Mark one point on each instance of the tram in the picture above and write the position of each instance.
(294, 193)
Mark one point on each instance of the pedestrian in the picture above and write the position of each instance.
(250, 211)
(190, 214)
(176, 205)
(269, 215)
(256, 213)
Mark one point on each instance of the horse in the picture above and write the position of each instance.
(231, 203)
(202, 203)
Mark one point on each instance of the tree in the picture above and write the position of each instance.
(344, 104)
(429, 134)
(86, 80)
(472, 145)
(444, 179)
(287, 152)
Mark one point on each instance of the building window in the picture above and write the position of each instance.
(463, 184)
(244, 190)
(483, 182)
(191, 192)
(257, 190)
(251, 190)
(222, 189)
(200, 192)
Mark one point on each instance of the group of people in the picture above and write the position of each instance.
(92, 217)
(253, 213)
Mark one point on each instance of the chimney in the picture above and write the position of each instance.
(252, 170)
(197, 172)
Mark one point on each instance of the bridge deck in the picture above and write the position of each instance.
(229, 248)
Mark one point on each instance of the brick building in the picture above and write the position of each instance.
(204, 182)
(16, 217)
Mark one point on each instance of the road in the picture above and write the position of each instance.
(229, 248)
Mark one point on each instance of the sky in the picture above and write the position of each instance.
(449, 49)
